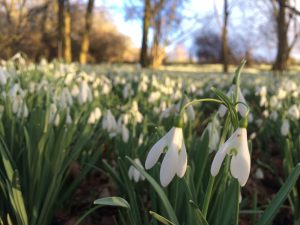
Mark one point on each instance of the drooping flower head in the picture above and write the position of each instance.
(175, 160)
(237, 147)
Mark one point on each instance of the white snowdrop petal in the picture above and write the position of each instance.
(222, 110)
(182, 161)
(241, 107)
(136, 175)
(155, 153)
(240, 167)
(130, 172)
(168, 167)
(217, 162)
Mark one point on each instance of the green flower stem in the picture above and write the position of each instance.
(199, 101)
(237, 213)
(208, 195)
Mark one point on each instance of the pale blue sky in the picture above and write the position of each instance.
(200, 9)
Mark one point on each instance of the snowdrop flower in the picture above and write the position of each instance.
(54, 117)
(265, 113)
(85, 94)
(275, 102)
(294, 112)
(261, 91)
(214, 135)
(154, 96)
(285, 127)
(123, 130)
(134, 174)
(263, 101)
(259, 122)
(3, 77)
(137, 116)
(65, 98)
(94, 116)
(241, 107)
(175, 109)
(69, 119)
(75, 91)
(237, 146)
(175, 160)
(127, 91)
(259, 174)
(252, 136)
(274, 115)
(141, 140)
(281, 94)
(109, 124)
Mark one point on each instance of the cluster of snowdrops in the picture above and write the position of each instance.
(55, 115)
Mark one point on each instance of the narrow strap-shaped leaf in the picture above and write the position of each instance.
(198, 213)
(158, 190)
(160, 218)
(112, 201)
(282, 194)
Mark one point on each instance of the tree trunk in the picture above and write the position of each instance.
(60, 28)
(64, 31)
(146, 25)
(67, 33)
(85, 39)
(224, 38)
(157, 52)
(282, 45)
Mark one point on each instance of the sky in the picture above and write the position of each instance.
(195, 8)
(133, 28)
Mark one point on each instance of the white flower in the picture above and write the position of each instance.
(241, 107)
(274, 115)
(175, 109)
(123, 130)
(134, 174)
(109, 124)
(214, 136)
(65, 98)
(294, 112)
(3, 77)
(85, 94)
(285, 127)
(154, 96)
(281, 94)
(259, 174)
(127, 91)
(94, 116)
(175, 160)
(136, 115)
(237, 146)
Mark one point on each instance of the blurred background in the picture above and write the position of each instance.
(153, 32)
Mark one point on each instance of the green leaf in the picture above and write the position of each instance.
(198, 213)
(158, 190)
(160, 218)
(112, 201)
(282, 194)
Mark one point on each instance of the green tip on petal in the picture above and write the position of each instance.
(179, 121)
(244, 122)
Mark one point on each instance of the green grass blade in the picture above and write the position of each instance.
(282, 194)
(112, 201)
(160, 218)
(158, 190)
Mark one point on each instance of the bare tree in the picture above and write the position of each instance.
(64, 30)
(85, 39)
(225, 59)
(282, 40)
(146, 26)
